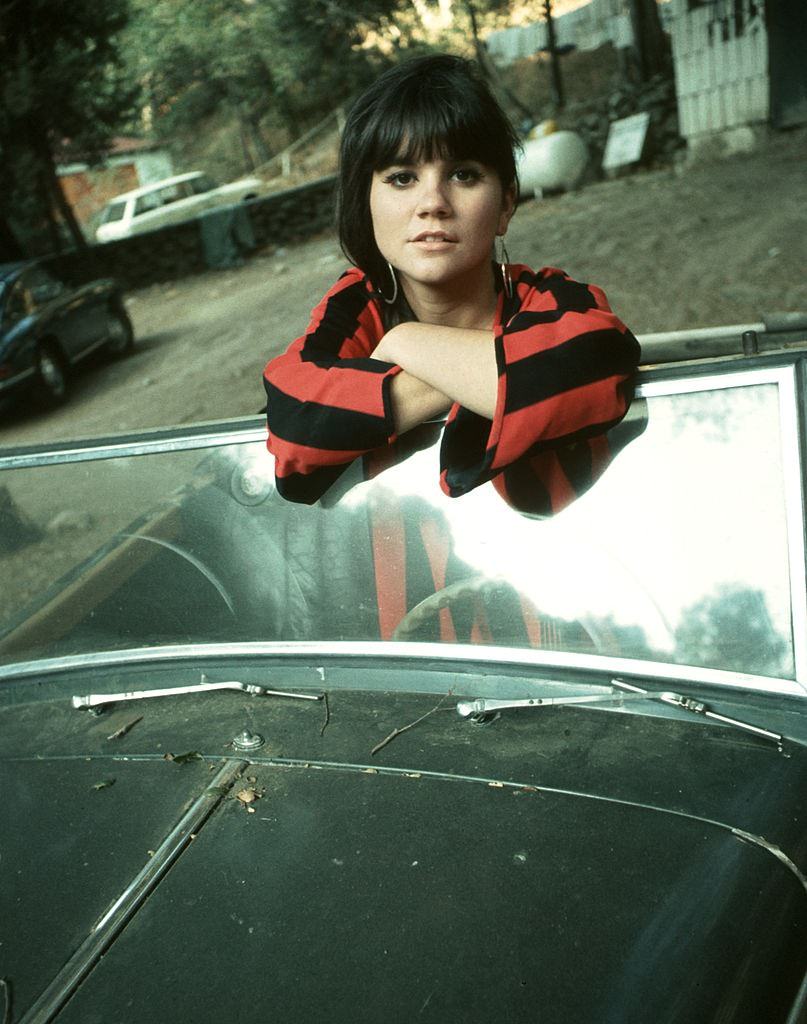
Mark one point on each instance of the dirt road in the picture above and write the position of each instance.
(718, 243)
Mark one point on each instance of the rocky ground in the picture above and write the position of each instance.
(714, 243)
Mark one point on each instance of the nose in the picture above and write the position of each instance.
(433, 199)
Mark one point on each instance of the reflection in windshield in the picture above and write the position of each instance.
(678, 554)
(672, 555)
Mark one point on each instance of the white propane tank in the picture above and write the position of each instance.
(551, 162)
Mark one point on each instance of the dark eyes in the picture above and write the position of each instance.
(463, 175)
(400, 178)
(467, 174)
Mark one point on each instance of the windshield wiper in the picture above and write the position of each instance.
(483, 706)
(97, 700)
(621, 691)
(698, 707)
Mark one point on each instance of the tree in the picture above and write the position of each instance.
(251, 60)
(489, 69)
(651, 47)
(63, 94)
(195, 57)
(11, 248)
(323, 61)
(558, 97)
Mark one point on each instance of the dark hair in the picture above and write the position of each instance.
(438, 106)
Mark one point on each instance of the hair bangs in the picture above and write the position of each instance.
(430, 127)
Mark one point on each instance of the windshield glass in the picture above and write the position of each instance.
(682, 554)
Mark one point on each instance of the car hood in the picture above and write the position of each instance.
(575, 865)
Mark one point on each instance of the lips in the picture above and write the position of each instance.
(434, 236)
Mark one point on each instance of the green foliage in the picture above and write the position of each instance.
(55, 59)
(321, 29)
(63, 91)
(206, 49)
(262, 61)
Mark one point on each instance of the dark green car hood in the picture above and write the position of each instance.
(573, 866)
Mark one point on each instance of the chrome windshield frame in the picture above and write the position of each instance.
(249, 430)
(213, 434)
(318, 653)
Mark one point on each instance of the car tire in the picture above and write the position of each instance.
(51, 375)
(120, 334)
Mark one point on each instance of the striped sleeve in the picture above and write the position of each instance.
(565, 365)
(328, 400)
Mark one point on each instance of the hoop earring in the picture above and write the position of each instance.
(503, 260)
(389, 302)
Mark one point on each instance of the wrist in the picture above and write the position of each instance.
(413, 402)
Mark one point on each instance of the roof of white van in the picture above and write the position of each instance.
(154, 186)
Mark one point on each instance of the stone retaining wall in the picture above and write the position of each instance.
(592, 120)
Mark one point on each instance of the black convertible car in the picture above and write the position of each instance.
(46, 327)
(557, 774)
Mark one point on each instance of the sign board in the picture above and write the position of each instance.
(625, 141)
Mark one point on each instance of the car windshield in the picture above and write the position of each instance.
(685, 558)
(114, 211)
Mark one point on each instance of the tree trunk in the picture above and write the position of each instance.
(258, 141)
(489, 69)
(650, 43)
(10, 248)
(66, 211)
(554, 58)
(46, 202)
(54, 189)
(243, 135)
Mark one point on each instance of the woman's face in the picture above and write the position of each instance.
(435, 221)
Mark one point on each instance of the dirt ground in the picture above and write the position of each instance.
(713, 243)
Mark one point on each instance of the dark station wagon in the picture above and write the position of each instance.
(226, 797)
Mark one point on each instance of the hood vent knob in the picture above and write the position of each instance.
(247, 740)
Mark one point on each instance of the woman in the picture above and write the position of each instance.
(531, 368)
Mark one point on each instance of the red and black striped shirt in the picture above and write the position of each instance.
(565, 364)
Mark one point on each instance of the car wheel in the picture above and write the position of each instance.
(51, 375)
(120, 334)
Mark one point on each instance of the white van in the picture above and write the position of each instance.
(169, 201)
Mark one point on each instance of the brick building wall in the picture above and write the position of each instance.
(88, 191)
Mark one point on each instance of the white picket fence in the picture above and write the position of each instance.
(721, 65)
